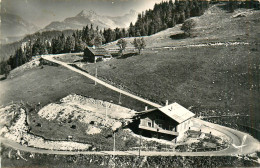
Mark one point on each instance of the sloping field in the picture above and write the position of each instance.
(210, 80)
(216, 25)
(49, 84)
(220, 78)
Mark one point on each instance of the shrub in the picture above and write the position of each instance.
(99, 59)
(188, 26)
(73, 127)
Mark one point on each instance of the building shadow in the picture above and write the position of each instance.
(178, 36)
(124, 56)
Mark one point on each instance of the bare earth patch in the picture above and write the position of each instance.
(86, 110)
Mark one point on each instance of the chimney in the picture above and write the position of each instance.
(166, 103)
(146, 108)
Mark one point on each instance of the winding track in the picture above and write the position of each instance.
(250, 145)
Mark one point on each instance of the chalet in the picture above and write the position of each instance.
(168, 122)
(94, 54)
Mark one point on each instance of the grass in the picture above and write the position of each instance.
(212, 80)
(55, 130)
(215, 25)
(50, 84)
(72, 57)
(41, 86)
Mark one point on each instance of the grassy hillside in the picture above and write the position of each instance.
(215, 25)
(211, 80)
(51, 83)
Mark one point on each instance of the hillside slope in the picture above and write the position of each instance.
(211, 80)
(34, 83)
(215, 25)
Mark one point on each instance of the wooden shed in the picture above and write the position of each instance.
(94, 54)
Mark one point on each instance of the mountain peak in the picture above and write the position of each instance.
(86, 13)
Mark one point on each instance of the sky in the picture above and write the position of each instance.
(42, 12)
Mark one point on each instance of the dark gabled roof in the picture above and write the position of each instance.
(174, 111)
(99, 51)
(144, 112)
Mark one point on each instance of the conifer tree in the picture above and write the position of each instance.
(69, 45)
(62, 41)
(55, 46)
(79, 45)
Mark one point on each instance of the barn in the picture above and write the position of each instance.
(168, 122)
(94, 54)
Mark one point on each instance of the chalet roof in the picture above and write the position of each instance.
(99, 51)
(174, 111)
(177, 112)
(145, 112)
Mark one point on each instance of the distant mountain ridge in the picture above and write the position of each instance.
(87, 17)
(14, 27)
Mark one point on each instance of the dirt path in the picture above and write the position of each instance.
(203, 45)
(50, 58)
(196, 45)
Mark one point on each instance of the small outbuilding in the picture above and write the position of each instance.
(168, 122)
(94, 54)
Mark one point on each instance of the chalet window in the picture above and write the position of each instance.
(171, 128)
(149, 124)
(160, 125)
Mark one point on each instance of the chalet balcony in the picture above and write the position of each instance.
(160, 130)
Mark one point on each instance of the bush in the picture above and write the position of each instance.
(99, 59)
(38, 125)
(73, 127)
(188, 26)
